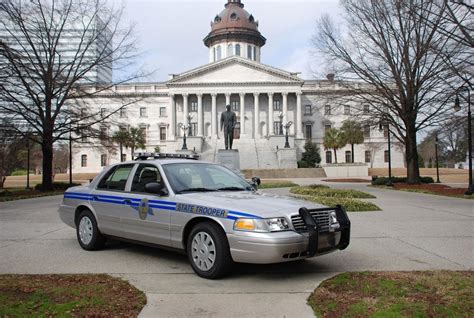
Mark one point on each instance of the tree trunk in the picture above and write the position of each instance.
(335, 155)
(47, 149)
(2, 181)
(411, 155)
(352, 152)
(121, 152)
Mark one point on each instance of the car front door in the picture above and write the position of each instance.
(148, 216)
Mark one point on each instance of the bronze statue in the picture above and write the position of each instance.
(228, 120)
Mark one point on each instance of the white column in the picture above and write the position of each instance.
(285, 107)
(270, 114)
(200, 131)
(227, 99)
(172, 126)
(185, 109)
(257, 117)
(242, 113)
(298, 119)
(214, 115)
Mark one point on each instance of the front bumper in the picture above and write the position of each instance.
(277, 247)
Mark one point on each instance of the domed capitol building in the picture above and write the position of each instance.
(264, 99)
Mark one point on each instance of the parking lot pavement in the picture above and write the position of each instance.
(413, 232)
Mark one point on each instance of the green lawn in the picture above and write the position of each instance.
(395, 294)
(68, 296)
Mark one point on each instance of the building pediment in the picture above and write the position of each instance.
(234, 70)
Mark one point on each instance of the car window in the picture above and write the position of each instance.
(116, 178)
(145, 174)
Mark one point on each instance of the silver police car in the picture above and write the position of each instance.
(204, 209)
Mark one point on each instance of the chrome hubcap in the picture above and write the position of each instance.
(85, 230)
(203, 251)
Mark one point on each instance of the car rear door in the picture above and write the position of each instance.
(109, 199)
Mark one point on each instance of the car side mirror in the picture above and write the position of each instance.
(156, 188)
(256, 182)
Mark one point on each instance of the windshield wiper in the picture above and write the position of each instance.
(232, 189)
(195, 190)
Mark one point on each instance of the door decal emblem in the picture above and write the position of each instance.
(143, 208)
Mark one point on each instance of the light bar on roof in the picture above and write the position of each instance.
(155, 155)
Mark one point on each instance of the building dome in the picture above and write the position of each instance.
(234, 25)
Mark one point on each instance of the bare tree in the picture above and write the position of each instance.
(54, 54)
(387, 59)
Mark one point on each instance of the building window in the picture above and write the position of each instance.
(162, 111)
(308, 131)
(102, 112)
(385, 131)
(347, 110)
(194, 107)
(237, 49)
(348, 157)
(366, 131)
(366, 109)
(235, 105)
(277, 105)
(142, 111)
(326, 128)
(277, 128)
(219, 53)
(83, 135)
(230, 50)
(214, 54)
(327, 110)
(143, 130)
(162, 133)
(254, 53)
(123, 112)
(193, 129)
(84, 161)
(328, 156)
(307, 110)
(103, 133)
(368, 156)
(103, 160)
(385, 156)
(249, 52)
(124, 157)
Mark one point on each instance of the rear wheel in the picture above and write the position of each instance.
(88, 233)
(208, 251)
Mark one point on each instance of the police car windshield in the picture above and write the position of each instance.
(201, 177)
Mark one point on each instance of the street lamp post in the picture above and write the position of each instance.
(436, 156)
(287, 127)
(28, 162)
(385, 124)
(70, 155)
(281, 124)
(457, 107)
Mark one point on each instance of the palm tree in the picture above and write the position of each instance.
(352, 134)
(122, 137)
(333, 139)
(137, 139)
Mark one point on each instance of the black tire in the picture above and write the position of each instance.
(222, 259)
(97, 241)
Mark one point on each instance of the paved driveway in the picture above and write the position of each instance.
(414, 232)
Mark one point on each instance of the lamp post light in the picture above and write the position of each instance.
(384, 124)
(287, 127)
(436, 156)
(457, 107)
(184, 127)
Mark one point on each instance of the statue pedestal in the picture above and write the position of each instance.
(229, 158)
(287, 158)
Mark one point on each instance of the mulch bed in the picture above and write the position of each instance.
(7, 195)
(435, 188)
(354, 180)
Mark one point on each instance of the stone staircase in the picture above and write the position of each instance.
(254, 154)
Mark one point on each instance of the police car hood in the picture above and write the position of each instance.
(259, 204)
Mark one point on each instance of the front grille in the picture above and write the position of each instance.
(320, 217)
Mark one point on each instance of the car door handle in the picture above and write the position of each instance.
(127, 202)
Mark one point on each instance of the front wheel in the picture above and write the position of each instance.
(208, 251)
(88, 233)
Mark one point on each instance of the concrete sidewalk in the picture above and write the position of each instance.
(413, 232)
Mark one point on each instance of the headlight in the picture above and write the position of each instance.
(334, 222)
(261, 225)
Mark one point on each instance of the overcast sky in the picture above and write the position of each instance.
(171, 32)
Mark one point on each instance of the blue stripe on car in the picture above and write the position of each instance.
(134, 202)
